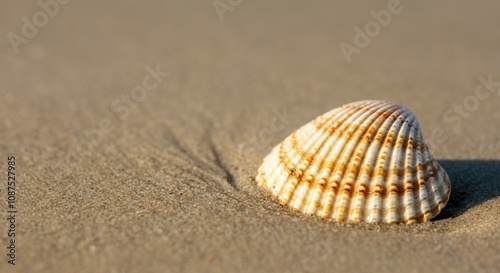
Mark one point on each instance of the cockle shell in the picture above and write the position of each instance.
(362, 162)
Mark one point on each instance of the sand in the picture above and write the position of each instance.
(113, 177)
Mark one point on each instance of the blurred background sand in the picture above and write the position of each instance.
(165, 182)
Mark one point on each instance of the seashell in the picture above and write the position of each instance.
(362, 162)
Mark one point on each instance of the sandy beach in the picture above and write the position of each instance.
(137, 129)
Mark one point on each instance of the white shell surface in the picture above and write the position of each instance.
(362, 162)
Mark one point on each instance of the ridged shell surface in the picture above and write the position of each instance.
(362, 162)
